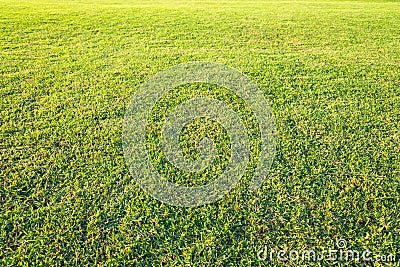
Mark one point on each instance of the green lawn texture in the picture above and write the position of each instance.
(330, 71)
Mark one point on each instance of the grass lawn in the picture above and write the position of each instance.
(330, 71)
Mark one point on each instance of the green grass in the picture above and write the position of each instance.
(329, 69)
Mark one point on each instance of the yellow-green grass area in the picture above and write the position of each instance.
(330, 71)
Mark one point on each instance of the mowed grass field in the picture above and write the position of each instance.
(330, 71)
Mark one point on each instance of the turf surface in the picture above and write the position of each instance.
(329, 69)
